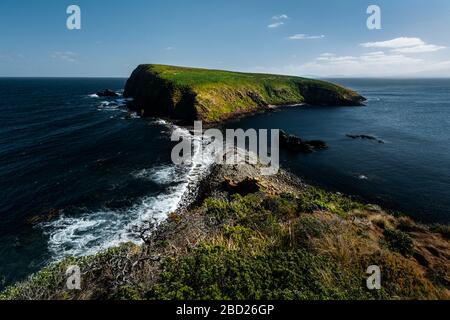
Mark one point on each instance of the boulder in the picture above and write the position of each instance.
(296, 144)
(107, 93)
(247, 186)
(44, 217)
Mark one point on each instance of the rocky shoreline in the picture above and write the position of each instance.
(242, 225)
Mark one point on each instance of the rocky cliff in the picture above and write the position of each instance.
(213, 95)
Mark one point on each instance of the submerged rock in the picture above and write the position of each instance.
(44, 217)
(365, 136)
(107, 93)
(296, 144)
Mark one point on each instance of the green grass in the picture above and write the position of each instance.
(269, 247)
(197, 77)
(221, 94)
(258, 246)
(214, 272)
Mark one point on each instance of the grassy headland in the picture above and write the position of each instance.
(214, 95)
(281, 240)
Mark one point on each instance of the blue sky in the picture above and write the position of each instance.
(319, 38)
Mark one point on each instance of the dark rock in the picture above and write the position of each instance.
(364, 136)
(107, 93)
(247, 186)
(296, 144)
(328, 96)
(44, 217)
(317, 144)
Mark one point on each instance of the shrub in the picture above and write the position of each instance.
(399, 241)
(444, 230)
(212, 272)
(308, 227)
(238, 234)
(283, 206)
(217, 208)
(315, 199)
(126, 293)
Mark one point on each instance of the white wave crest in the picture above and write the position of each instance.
(92, 232)
(161, 174)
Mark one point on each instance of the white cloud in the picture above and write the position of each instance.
(275, 24)
(302, 36)
(419, 49)
(372, 64)
(277, 21)
(404, 45)
(392, 58)
(394, 43)
(364, 60)
(369, 64)
(280, 17)
(67, 56)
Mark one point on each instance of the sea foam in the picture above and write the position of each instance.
(92, 232)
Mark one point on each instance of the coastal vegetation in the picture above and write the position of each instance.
(213, 95)
(282, 240)
(246, 236)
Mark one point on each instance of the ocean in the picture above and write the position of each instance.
(78, 173)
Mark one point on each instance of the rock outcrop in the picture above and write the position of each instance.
(365, 137)
(296, 144)
(107, 93)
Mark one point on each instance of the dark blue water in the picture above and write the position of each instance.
(410, 172)
(102, 171)
(63, 150)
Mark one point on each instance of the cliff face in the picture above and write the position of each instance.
(213, 95)
(155, 96)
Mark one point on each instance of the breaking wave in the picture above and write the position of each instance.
(92, 232)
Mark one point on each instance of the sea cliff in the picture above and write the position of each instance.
(188, 94)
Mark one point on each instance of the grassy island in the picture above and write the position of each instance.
(215, 95)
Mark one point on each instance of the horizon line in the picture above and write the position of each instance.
(305, 76)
